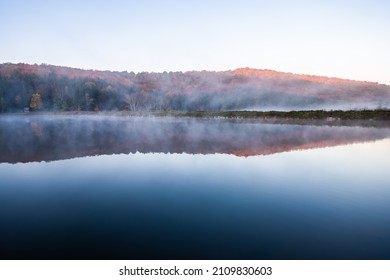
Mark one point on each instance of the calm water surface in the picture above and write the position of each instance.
(155, 188)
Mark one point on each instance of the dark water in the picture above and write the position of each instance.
(162, 188)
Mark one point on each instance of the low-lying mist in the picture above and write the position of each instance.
(50, 88)
(26, 138)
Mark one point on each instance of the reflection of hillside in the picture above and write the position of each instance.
(288, 148)
(39, 138)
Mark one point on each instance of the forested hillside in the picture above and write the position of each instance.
(54, 88)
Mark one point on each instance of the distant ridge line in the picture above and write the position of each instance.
(242, 71)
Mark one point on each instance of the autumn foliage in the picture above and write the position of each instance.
(35, 102)
(69, 89)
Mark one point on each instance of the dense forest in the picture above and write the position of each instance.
(26, 87)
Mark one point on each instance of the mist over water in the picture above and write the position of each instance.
(99, 187)
(25, 138)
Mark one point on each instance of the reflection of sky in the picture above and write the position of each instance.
(359, 165)
(39, 138)
(321, 203)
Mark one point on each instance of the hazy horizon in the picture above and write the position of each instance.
(343, 39)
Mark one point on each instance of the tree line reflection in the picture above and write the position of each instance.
(43, 138)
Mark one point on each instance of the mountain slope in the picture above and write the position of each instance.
(67, 89)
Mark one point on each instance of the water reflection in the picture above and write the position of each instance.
(334, 204)
(192, 198)
(44, 138)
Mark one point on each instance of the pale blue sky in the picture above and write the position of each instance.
(348, 39)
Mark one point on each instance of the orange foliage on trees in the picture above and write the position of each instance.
(35, 102)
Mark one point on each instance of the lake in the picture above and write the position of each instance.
(111, 187)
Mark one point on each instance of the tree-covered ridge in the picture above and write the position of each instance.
(54, 88)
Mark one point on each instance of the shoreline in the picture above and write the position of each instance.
(377, 118)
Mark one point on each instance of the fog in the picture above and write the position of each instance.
(67, 89)
(325, 107)
(27, 138)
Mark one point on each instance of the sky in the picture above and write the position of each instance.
(337, 38)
